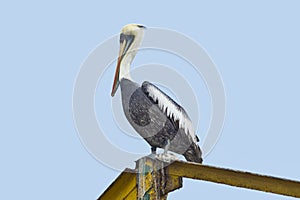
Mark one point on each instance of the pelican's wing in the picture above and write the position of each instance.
(168, 106)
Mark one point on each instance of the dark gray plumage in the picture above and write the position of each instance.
(153, 124)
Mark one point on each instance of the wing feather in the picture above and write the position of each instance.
(173, 111)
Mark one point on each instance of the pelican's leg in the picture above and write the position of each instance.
(167, 147)
(165, 156)
(153, 150)
(153, 153)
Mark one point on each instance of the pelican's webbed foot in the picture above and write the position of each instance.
(167, 157)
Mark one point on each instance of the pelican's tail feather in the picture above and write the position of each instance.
(193, 154)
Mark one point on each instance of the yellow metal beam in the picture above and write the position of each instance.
(124, 187)
(235, 178)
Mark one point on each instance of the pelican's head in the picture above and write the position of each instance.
(130, 39)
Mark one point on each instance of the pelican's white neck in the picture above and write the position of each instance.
(125, 66)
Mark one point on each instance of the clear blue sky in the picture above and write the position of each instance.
(255, 45)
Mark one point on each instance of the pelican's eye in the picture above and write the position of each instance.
(141, 26)
(122, 38)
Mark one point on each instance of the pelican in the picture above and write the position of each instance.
(153, 114)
